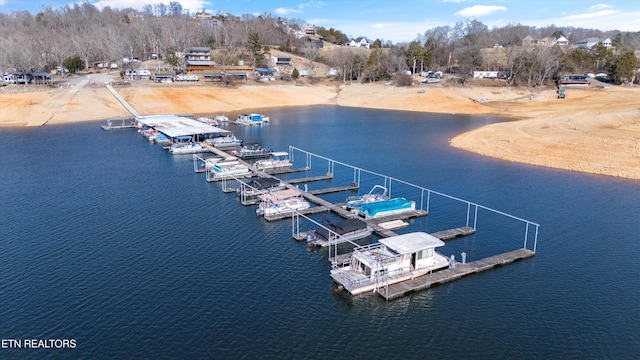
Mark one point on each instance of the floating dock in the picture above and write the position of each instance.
(381, 226)
(456, 272)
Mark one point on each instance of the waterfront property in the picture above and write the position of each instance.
(391, 260)
(178, 128)
(395, 259)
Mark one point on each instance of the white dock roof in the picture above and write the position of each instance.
(279, 195)
(174, 126)
(412, 242)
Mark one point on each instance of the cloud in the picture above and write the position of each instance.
(480, 10)
(600, 7)
(455, 1)
(594, 15)
(317, 21)
(312, 3)
(285, 11)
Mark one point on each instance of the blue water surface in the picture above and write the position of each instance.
(107, 239)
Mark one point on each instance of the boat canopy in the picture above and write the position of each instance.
(280, 195)
(381, 206)
(411, 243)
(263, 183)
(174, 126)
(340, 228)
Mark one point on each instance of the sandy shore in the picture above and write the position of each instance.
(594, 130)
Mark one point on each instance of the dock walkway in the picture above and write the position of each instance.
(122, 101)
(395, 291)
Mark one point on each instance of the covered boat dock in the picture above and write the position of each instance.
(180, 128)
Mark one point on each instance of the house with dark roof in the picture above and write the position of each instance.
(360, 42)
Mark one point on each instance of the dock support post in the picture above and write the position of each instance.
(475, 218)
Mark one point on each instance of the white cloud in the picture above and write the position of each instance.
(455, 1)
(285, 11)
(594, 15)
(607, 20)
(312, 3)
(480, 10)
(600, 7)
(2, 2)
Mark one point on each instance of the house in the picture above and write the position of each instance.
(562, 41)
(202, 15)
(588, 43)
(360, 42)
(309, 29)
(198, 58)
(281, 60)
(198, 53)
(530, 41)
(316, 43)
(264, 74)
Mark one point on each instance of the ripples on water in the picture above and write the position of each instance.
(110, 240)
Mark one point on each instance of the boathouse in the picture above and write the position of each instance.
(179, 128)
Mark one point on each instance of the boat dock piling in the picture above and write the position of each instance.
(126, 123)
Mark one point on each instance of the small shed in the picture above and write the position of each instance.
(217, 76)
(265, 73)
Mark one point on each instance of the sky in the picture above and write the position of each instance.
(398, 20)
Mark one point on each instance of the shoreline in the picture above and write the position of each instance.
(593, 130)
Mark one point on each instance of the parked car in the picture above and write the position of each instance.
(8, 79)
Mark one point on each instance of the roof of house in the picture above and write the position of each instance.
(200, 63)
(199, 49)
(411, 242)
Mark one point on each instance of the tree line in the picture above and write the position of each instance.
(78, 35)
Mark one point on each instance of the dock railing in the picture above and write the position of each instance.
(425, 194)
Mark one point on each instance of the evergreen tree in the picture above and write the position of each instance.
(255, 47)
(624, 67)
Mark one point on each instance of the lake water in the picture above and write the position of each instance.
(109, 240)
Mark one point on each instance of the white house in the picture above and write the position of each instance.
(562, 41)
(591, 42)
(360, 42)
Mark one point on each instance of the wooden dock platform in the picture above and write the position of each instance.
(279, 171)
(310, 179)
(333, 189)
(311, 210)
(454, 233)
(460, 270)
